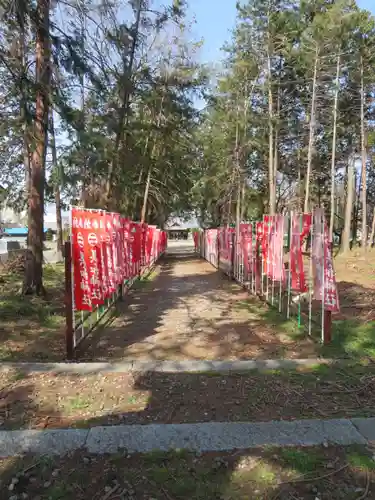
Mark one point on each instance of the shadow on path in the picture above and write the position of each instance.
(190, 311)
(327, 473)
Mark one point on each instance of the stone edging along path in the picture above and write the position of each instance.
(201, 437)
(187, 366)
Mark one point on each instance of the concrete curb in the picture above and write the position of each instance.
(187, 366)
(211, 436)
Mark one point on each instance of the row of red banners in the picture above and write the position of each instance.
(262, 253)
(108, 250)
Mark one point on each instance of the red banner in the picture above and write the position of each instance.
(126, 248)
(275, 249)
(297, 276)
(268, 221)
(258, 249)
(196, 240)
(109, 252)
(86, 260)
(246, 244)
(150, 242)
(325, 288)
(306, 226)
(136, 232)
(331, 296)
(211, 246)
(104, 254)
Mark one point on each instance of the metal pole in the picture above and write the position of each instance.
(69, 314)
(323, 279)
(311, 277)
(290, 237)
(281, 263)
(72, 276)
(273, 228)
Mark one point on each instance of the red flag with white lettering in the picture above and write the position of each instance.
(86, 259)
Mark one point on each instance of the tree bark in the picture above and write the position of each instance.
(345, 243)
(333, 159)
(372, 235)
(124, 110)
(243, 193)
(23, 106)
(271, 170)
(357, 198)
(57, 184)
(148, 180)
(145, 195)
(364, 161)
(311, 135)
(33, 280)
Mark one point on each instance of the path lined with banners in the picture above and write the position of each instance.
(190, 310)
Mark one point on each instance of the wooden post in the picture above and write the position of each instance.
(327, 337)
(232, 273)
(68, 300)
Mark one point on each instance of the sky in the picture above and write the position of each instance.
(216, 18)
(214, 21)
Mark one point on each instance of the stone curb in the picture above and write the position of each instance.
(188, 366)
(210, 436)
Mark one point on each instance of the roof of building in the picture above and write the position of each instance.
(17, 231)
(180, 224)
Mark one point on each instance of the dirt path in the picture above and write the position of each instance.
(191, 310)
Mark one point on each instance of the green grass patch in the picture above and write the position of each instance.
(57, 492)
(77, 403)
(361, 460)
(301, 461)
(352, 338)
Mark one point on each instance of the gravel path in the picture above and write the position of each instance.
(190, 310)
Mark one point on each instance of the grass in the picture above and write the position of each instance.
(77, 403)
(361, 460)
(31, 327)
(260, 474)
(343, 390)
(353, 330)
(147, 278)
(301, 461)
(351, 337)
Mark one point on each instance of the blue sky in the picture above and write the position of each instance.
(215, 19)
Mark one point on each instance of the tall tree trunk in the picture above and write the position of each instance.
(311, 135)
(271, 170)
(372, 235)
(238, 172)
(243, 192)
(364, 161)
(57, 185)
(23, 108)
(345, 243)
(276, 150)
(357, 198)
(24, 115)
(148, 180)
(124, 110)
(33, 282)
(145, 195)
(299, 180)
(333, 159)
(86, 178)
